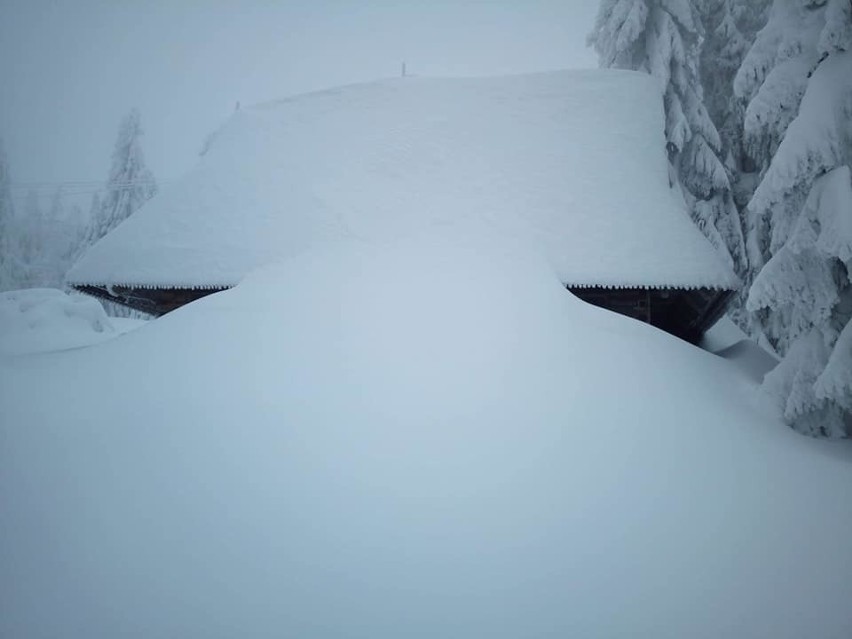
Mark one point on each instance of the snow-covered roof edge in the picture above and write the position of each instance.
(221, 286)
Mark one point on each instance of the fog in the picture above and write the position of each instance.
(71, 70)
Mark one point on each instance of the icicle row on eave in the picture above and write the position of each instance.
(653, 287)
(153, 287)
(222, 286)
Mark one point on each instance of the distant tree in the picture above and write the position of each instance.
(797, 78)
(130, 183)
(40, 243)
(663, 38)
(7, 220)
(129, 186)
(60, 234)
(81, 238)
(28, 241)
(95, 206)
(76, 229)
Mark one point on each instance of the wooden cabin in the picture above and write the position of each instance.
(572, 162)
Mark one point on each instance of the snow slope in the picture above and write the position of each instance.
(433, 439)
(728, 341)
(573, 160)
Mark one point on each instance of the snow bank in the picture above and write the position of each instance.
(575, 160)
(434, 439)
(46, 319)
(721, 335)
(726, 340)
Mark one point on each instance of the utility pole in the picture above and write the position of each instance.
(403, 68)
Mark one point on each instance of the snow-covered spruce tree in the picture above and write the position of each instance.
(663, 38)
(771, 82)
(798, 75)
(129, 186)
(7, 220)
(730, 29)
(130, 183)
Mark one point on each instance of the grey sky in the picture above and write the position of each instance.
(71, 69)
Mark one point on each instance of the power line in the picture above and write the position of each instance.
(69, 194)
(71, 184)
(21, 191)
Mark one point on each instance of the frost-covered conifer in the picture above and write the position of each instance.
(130, 182)
(7, 218)
(730, 29)
(59, 234)
(798, 79)
(28, 243)
(785, 125)
(76, 229)
(81, 241)
(772, 81)
(663, 38)
(54, 240)
(40, 243)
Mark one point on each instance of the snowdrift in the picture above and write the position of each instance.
(45, 319)
(433, 439)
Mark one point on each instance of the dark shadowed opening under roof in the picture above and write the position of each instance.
(685, 313)
(154, 301)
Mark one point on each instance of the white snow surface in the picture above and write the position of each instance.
(726, 340)
(429, 439)
(46, 319)
(572, 160)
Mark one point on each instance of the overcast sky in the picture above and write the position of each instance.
(71, 69)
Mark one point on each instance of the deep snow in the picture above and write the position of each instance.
(46, 319)
(430, 439)
(729, 342)
(574, 160)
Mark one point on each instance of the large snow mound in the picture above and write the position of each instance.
(46, 319)
(575, 160)
(428, 440)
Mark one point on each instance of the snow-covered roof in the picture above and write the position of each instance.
(573, 160)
